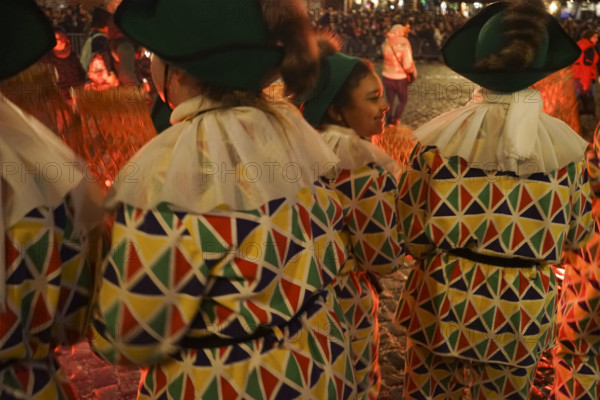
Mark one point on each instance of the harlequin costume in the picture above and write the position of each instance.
(495, 190)
(46, 279)
(577, 354)
(216, 285)
(367, 191)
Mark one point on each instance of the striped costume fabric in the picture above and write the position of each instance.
(371, 236)
(49, 284)
(577, 354)
(472, 311)
(173, 278)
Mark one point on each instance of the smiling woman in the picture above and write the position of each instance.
(347, 105)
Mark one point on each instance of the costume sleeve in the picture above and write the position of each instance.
(581, 225)
(153, 281)
(368, 198)
(74, 304)
(412, 203)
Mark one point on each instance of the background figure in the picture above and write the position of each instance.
(348, 107)
(577, 354)
(101, 78)
(123, 55)
(46, 279)
(97, 42)
(584, 76)
(68, 66)
(495, 191)
(217, 285)
(399, 70)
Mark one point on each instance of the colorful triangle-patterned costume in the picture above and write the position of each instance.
(577, 354)
(49, 287)
(368, 195)
(468, 310)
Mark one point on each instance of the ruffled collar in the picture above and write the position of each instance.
(504, 131)
(355, 152)
(236, 158)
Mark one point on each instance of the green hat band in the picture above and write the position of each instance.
(335, 70)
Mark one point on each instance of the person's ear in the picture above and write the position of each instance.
(334, 113)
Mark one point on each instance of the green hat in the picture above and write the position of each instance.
(222, 43)
(333, 74)
(483, 35)
(25, 36)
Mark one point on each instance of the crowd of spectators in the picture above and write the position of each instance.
(363, 31)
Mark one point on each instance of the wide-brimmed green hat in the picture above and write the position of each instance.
(333, 73)
(483, 35)
(221, 43)
(25, 36)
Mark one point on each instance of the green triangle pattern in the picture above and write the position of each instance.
(160, 323)
(278, 303)
(252, 387)
(210, 243)
(292, 371)
(453, 199)
(38, 252)
(162, 268)
(359, 184)
(176, 388)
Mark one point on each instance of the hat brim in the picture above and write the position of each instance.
(26, 36)
(459, 54)
(239, 64)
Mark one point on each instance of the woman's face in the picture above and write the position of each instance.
(365, 113)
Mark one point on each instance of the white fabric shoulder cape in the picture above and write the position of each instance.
(240, 158)
(355, 152)
(506, 132)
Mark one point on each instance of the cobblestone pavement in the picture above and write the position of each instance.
(436, 91)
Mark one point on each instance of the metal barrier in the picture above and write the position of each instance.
(77, 41)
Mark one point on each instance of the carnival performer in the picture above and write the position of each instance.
(495, 191)
(46, 276)
(224, 241)
(585, 72)
(577, 354)
(399, 70)
(348, 107)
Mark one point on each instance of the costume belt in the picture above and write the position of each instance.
(213, 340)
(506, 262)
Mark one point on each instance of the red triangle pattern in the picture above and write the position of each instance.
(556, 204)
(292, 293)
(133, 261)
(304, 363)
(518, 236)
(160, 379)
(221, 225)
(470, 313)
(499, 320)
(387, 212)
(182, 267)
(227, 390)
(305, 220)
(497, 196)
(465, 198)
(269, 382)
(189, 388)
(361, 219)
(281, 243)
(41, 316)
(526, 200)
(128, 322)
(490, 233)
(548, 243)
(257, 311)
(222, 313)
(11, 253)
(478, 279)
(416, 228)
(247, 268)
(54, 262)
(22, 374)
(434, 200)
(177, 324)
(324, 342)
